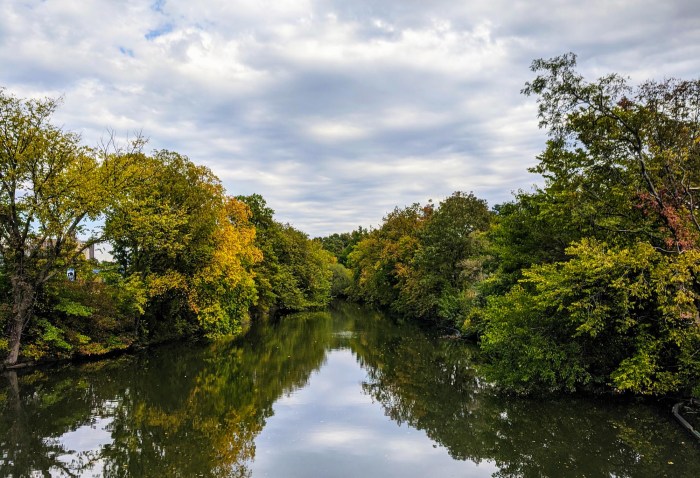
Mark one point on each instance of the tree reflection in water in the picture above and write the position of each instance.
(195, 410)
(181, 410)
(432, 385)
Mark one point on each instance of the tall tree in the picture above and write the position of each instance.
(341, 245)
(381, 261)
(626, 159)
(449, 261)
(50, 187)
(620, 308)
(423, 259)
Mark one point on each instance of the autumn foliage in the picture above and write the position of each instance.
(187, 260)
(590, 282)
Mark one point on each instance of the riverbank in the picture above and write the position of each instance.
(79, 358)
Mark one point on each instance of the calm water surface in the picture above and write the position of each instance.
(342, 393)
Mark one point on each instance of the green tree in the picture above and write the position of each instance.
(530, 230)
(424, 261)
(189, 245)
(382, 260)
(448, 260)
(619, 308)
(92, 315)
(50, 187)
(624, 159)
(608, 317)
(295, 273)
(341, 245)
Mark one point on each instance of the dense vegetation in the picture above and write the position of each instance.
(189, 260)
(590, 282)
(420, 262)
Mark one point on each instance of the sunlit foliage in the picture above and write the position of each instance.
(191, 247)
(51, 186)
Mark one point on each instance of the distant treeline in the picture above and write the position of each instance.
(591, 282)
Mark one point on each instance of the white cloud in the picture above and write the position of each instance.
(333, 131)
(335, 111)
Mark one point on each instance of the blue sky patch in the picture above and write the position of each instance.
(158, 5)
(155, 33)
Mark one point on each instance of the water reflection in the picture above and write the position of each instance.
(431, 385)
(290, 400)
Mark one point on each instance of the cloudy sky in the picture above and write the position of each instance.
(334, 110)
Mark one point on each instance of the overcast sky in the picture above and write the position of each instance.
(334, 110)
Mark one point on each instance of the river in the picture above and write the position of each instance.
(340, 393)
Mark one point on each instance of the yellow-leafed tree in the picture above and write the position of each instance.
(190, 245)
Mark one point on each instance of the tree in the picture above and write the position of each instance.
(626, 159)
(295, 273)
(448, 260)
(619, 309)
(341, 245)
(190, 245)
(50, 187)
(423, 259)
(381, 261)
(608, 317)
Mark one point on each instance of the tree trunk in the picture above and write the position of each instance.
(14, 401)
(23, 303)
